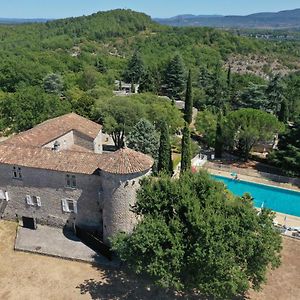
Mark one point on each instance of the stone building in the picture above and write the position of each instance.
(58, 175)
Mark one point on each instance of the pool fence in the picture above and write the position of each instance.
(252, 173)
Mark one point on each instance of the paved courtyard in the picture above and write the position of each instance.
(55, 242)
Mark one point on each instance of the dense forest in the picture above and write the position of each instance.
(51, 68)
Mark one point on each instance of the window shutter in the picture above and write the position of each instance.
(29, 200)
(38, 201)
(64, 204)
(75, 206)
(6, 196)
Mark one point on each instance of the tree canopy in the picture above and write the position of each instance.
(287, 156)
(246, 127)
(28, 107)
(196, 236)
(175, 78)
(144, 138)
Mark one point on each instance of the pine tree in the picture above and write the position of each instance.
(186, 153)
(175, 78)
(219, 139)
(147, 83)
(275, 94)
(165, 163)
(135, 69)
(53, 84)
(188, 108)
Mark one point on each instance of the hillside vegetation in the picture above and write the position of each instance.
(76, 59)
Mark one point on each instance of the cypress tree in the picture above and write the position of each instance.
(219, 139)
(188, 107)
(229, 77)
(132, 88)
(165, 163)
(283, 114)
(186, 152)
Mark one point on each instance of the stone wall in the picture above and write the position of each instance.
(119, 195)
(66, 141)
(98, 148)
(50, 187)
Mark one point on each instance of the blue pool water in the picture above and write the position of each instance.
(277, 199)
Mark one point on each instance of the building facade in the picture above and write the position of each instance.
(58, 175)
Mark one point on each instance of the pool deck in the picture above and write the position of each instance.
(282, 219)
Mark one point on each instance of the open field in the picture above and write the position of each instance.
(28, 276)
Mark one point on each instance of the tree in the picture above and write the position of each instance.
(186, 151)
(30, 106)
(165, 163)
(283, 114)
(287, 156)
(188, 106)
(229, 80)
(132, 88)
(53, 84)
(246, 127)
(275, 94)
(219, 138)
(100, 65)
(84, 106)
(214, 85)
(206, 125)
(292, 94)
(135, 69)
(88, 79)
(144, 138)
(253, 97)
(194, 236)
(118, 116)
(147, 83)
(175, 78)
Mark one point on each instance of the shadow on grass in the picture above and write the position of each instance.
(119, 283)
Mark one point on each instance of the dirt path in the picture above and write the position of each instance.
(30, 277)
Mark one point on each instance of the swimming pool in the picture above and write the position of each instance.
(277, 199)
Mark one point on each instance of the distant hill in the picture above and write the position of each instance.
(280, 20)
(21, 21)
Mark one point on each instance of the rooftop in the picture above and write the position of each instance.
(54, 128)
(26, 150)
(45, 158)
(126, 161)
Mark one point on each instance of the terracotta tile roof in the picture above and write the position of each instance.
(126, 161)
(25, 149)
(54, 128)
(45, 158)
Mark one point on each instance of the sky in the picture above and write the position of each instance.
(154, 8)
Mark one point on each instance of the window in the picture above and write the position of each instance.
(17, 173)
(69, 206)
(33, 201)
(71, 181)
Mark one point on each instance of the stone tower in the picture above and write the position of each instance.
(121, 173)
